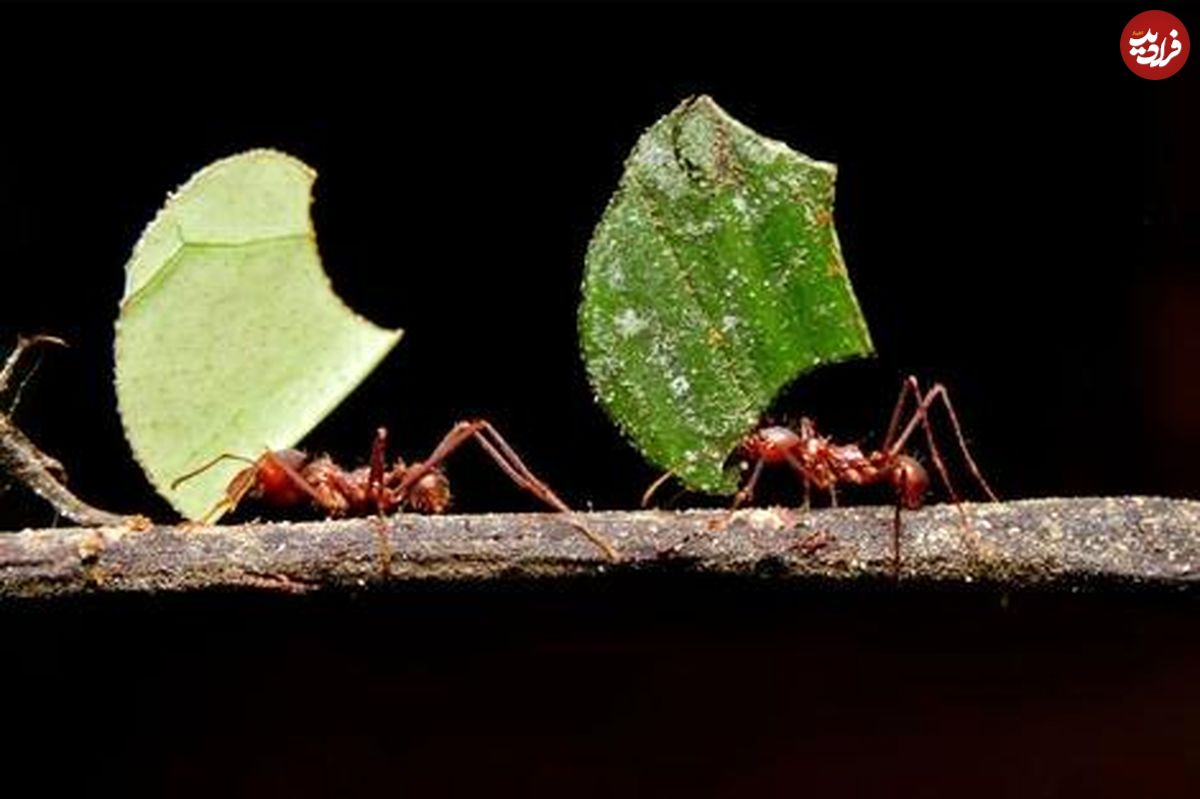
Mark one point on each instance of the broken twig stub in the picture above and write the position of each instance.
(1072, 541)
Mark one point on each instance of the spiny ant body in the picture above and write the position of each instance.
(823, 464)
(290, 478)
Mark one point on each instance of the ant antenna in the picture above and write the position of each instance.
(178, 481)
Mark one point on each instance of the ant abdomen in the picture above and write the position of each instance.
(431, 493)
(911, 481)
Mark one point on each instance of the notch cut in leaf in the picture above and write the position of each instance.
(713, 279)
(230, 337)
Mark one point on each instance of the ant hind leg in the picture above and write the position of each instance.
(506, 458)
(921, 416)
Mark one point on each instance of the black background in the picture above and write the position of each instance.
(1018, 212)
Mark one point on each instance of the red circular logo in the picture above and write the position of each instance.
(1155, 44)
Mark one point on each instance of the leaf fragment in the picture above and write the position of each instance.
(713, 279)
(230, 337)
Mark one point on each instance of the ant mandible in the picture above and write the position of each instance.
(290, 477)
(823, 464)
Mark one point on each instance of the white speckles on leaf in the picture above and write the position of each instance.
(628, 323)
(698, 305)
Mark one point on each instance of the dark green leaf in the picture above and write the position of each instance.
(713, 279)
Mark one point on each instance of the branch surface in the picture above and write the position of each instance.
(1071, 541)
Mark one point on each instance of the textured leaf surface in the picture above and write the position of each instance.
(230, 338)
(713, 279)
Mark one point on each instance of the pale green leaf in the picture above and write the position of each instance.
(713, 279)
(230, 338)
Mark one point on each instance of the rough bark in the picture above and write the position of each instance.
(1135, 539)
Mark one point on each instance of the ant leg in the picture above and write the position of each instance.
(497, 448)
(377, 495)
(450, 442)
(908, 386)
(746, 492)
(375, 492)
(653, 489)
(490, 440)
(511, 464)
(921, 415)
(941, 392)
(896, 543)
(799, 469)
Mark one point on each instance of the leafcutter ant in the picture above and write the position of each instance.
(820, 463)
(291, 477)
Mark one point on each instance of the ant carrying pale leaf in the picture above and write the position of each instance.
(291, 478)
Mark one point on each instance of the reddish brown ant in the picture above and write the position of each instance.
(291, 477)
(822, 464)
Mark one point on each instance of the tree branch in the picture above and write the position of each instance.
(1070, 541)
(21, 458)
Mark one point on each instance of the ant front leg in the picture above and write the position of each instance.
(746, 492)
(743, 495)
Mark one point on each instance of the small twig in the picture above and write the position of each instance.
(21, 458)
(42, 474)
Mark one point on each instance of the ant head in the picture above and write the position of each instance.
(430, 494)
(911, 482)
(272, 478)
